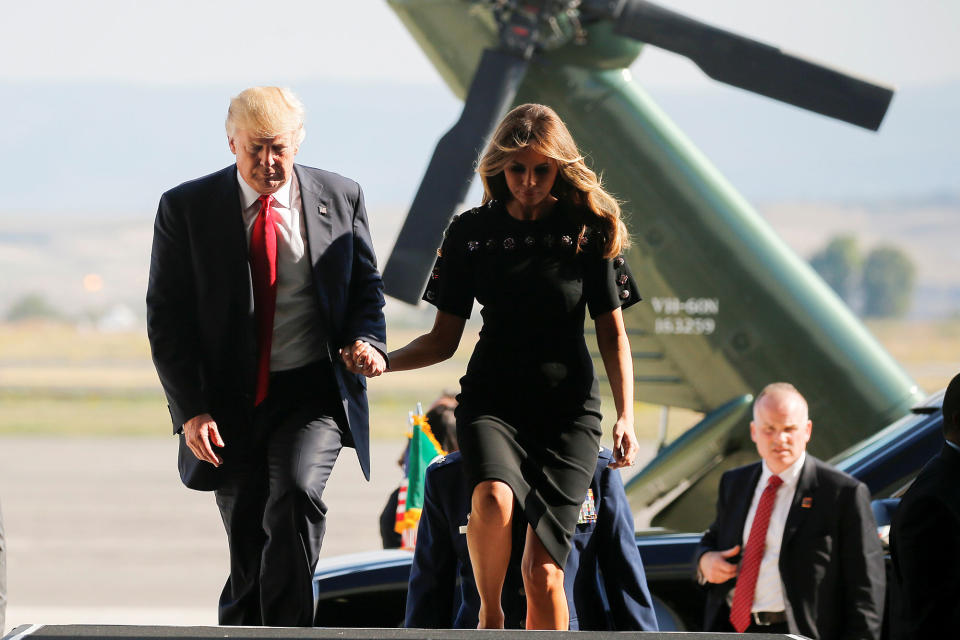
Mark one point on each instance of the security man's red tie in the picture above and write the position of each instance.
(263, 263)
(750, 565)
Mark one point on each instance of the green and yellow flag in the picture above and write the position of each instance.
(423, 449)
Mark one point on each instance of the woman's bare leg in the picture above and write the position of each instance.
(543, 582)
(488, 540)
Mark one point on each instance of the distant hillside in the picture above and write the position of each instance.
(925, 228)
(51, 254)
(776, 152)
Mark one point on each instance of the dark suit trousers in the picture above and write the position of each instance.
(271, 503)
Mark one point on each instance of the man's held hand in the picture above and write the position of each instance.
(364, 359)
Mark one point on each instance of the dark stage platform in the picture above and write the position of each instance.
(128, 632)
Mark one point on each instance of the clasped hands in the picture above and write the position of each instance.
(202, 434)
(364, 359)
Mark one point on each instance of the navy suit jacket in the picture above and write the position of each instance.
(831, 561)
(200, 317)
(604, 580)
(925, 549)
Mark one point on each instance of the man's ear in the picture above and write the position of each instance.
(233, 145)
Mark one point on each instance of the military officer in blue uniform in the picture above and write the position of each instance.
(604, 580)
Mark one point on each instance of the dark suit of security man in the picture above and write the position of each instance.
(925, 540)
(822, 573)
(264, 307)
(604, 579)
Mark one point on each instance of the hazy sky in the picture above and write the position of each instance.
(188, 42)
(160, 72)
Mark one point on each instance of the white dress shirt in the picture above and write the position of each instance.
(768, 595)
(298, 338)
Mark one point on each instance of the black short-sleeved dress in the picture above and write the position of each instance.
(529, 412)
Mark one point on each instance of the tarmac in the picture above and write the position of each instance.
(101, 531)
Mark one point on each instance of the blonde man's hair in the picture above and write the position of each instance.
(266, 112)
(538, 127)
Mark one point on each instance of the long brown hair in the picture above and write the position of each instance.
(539, 127)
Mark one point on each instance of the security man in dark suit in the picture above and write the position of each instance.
(604, 580)
(925, 541)
(264, 306)
(810, 560)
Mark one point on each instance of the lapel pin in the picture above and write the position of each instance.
(806, 503)
(321, 209)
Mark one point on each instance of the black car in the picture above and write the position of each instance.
(370, 589)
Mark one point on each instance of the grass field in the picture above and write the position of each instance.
(58, 379)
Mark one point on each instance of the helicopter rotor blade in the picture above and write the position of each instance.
(748, 64)
(448, 176)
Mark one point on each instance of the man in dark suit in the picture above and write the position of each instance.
(812, 562)
(925, 540)
(604, 580)
(264, 306)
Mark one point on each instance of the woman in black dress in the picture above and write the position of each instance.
(544, 247)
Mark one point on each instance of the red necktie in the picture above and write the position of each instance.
(750, 565)
(263, 261)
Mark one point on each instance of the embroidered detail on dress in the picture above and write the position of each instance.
(529, 241)
(618, 262)
(624, 294)
(472, 245)
(566, 241)
(509, 244)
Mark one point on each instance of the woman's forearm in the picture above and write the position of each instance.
(617, 361)
(437, 345)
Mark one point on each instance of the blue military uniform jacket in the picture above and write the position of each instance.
(605, 584)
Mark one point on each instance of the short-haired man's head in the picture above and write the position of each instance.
(266, 112)
(951, 410)
(780, 392)
(781, 426)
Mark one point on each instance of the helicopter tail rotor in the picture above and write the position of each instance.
(749, 64)
(447, 180)
(528, 26)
